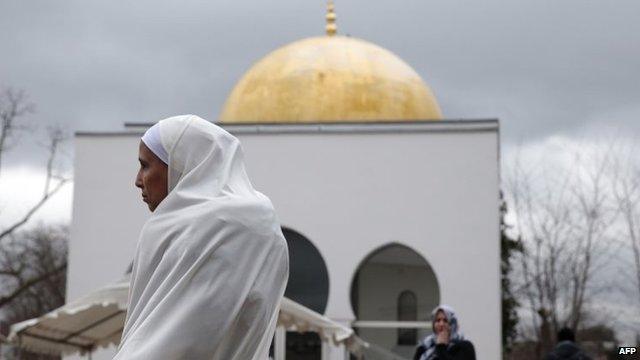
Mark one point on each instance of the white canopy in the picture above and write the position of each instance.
(96, 320)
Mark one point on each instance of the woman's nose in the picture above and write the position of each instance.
(138, 181)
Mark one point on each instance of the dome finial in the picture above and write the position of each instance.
(331, 27)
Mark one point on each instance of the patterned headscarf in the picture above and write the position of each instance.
(455, 335)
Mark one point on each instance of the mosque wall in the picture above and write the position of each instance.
(436, 192)
(108, 213)
(348, 193)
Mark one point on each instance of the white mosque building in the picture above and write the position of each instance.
(388, 208)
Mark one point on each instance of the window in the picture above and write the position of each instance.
(407, 311)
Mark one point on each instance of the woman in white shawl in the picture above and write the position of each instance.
(211, 263)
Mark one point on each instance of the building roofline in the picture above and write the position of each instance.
(457, 125)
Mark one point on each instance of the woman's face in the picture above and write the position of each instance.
(441, 322)
(152, 177)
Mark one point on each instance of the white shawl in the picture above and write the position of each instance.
(211, 263)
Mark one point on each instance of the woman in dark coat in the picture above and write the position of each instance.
(446, 342)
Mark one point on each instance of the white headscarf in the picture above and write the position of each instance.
(211, 264)
(152, 139)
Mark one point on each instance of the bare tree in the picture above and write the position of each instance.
(626, 185)
(563, 219)
(13, 107)
(38, 253)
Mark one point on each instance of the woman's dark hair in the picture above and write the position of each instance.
(566, 334)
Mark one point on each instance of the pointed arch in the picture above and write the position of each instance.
(392, 284)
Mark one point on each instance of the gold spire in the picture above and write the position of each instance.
(331, 19)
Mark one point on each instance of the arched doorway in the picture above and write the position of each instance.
(308, 285)
(308, 276)
(394, 284)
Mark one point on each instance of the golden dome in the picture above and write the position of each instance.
(330, 79)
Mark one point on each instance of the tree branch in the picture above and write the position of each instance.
(33, 210)
(56, 136)
(13, 105)
(28, 284)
